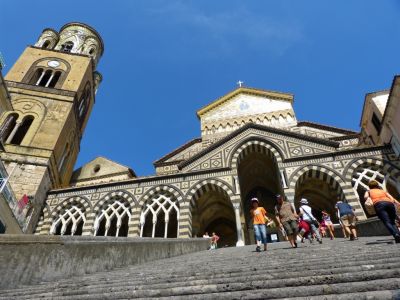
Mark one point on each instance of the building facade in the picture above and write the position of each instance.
(251, 144)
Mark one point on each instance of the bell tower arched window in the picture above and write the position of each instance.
(46, 44)
(63, 159)
(37, 76)
(21, 130)
(84, 104)
(8, 126)
(49, 72)
(45, 78)
(53, 79)
(67, 47)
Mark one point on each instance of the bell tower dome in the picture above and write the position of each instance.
(73, 37)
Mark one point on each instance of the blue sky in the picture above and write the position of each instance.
(164, 60)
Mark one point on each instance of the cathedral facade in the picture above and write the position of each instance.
(251, 144)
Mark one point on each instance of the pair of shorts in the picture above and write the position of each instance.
(290, 227)
(260, 231)
(348, 220)
(328, 223)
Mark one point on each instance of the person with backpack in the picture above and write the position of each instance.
(286, 218)
(347, 218)
(385, 207)
(306, 214)
(259, 214)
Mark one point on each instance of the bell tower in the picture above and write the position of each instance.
(52, 87)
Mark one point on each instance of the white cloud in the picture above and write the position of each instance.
(258, 30)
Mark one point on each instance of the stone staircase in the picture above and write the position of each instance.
(365, 269)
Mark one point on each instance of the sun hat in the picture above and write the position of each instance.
(304, 201)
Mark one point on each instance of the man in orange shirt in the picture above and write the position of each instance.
(260, 230)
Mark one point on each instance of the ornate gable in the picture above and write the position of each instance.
(286, 144)
(242, 106)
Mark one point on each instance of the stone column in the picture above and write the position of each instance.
(239, 230)
(11, 136)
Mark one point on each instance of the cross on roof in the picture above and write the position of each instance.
(239, 83)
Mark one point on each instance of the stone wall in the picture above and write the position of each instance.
(370, 227)
(29, 259)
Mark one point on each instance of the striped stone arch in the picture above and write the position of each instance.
(127, 196)
(67, 202)
(332, 178)
(371, 168)
(385, 166)
(159, 189)
(44, 223)
(203, 186)
(84, 202)
(254, 145)
(195, 192)
(175, 192)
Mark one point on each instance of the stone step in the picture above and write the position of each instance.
(375, 295)
(240, 273)
(388, 287)
(238, 267)
(102, 280)
(241, 284)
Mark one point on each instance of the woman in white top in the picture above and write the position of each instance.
(306, 213)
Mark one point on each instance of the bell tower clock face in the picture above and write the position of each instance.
(53, 64)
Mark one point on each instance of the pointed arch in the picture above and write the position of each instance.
(112, 214)
(69, 216)
(160, 212)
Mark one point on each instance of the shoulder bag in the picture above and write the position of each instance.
(313, 220)
(369, 205)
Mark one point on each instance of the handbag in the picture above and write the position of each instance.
(268, 222)
(369, 206)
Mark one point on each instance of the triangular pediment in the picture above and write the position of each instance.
(100, 167)
(245, 102)
(288, 144)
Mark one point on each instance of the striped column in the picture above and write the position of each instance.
(185, 221)
(134, 222)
